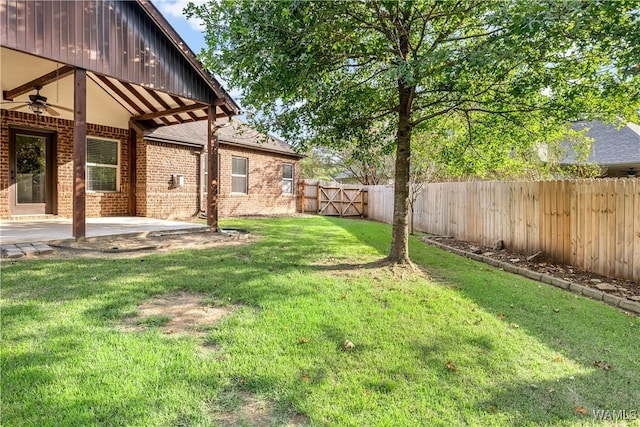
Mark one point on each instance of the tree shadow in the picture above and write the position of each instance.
(548, 316)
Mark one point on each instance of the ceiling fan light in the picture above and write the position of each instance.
(36, 107)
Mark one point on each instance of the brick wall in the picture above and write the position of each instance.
(155, 163)
(264, 195)
(98, 204)
(155, 167)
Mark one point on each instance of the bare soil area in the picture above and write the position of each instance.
(128, 246)
(180, 313)
(193, 314)
(619, 287)
(247, 410)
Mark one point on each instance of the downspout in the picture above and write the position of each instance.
(200, 212)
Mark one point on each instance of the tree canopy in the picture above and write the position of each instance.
(331, 72)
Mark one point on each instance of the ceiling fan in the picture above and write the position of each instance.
(38, 104)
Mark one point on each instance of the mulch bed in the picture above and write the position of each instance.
(618, 287)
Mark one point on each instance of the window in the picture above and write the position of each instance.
(287, 178)
(239, 175)
(103, 165)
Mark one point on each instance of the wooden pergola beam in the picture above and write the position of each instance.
(119, 93)
(169, 112)
(142, 99)
(11, 94)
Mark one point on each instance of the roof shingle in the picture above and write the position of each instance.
(611, 146)
(237, 133)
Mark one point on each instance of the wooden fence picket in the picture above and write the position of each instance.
(592, 224)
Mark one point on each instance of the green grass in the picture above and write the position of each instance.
(524, 352)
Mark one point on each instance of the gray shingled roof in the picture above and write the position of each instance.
(611, 146)
(238, 134)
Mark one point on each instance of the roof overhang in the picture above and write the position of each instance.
(138, 67)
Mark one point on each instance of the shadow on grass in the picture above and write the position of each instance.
(273, 269)
(583, 331)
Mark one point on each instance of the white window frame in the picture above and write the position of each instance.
(288, 179)
(245, 176)
(116, 166)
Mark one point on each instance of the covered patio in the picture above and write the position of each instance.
(81, 83)
(61, 229)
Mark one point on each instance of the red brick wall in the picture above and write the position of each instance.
(161, 199)
(155, 163)
(264, 195)
(98, 204)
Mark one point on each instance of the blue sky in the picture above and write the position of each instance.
(189, 30)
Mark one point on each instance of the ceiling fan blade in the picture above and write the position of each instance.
(60, 107)
(17, 107)
(51, 111)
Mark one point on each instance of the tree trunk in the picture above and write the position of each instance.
(400, 232)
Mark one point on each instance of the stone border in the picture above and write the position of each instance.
(18, 250)
(586, 291)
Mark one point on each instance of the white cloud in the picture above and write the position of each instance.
(175, 9)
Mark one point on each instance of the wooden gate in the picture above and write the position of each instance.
(332, 199)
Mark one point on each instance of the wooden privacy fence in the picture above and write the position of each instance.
(330, 198)
(592, 224)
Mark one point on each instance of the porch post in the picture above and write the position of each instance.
(79, 153)
(133, 176)
(212, 161)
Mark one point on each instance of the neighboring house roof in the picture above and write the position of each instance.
(237, 133)
(611, 147)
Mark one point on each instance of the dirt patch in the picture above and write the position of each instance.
(619, 287)
(142, 245)
(246, 410)
(178, 314)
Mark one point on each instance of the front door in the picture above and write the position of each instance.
(31, 183)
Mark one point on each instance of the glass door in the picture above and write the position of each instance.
(31, 174)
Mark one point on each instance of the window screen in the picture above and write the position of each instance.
(102, 164)
(287, 178)
(239, 168)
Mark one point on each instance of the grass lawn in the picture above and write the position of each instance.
(471, 346)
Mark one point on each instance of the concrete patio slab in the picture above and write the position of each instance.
(60, 229)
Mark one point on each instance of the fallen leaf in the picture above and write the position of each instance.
(305, 377)
(501, 316)
(344, 296)
(514, 325)
(558, 359)
(366, 392)
(602, 364)
(451, 366)
(303, 340)
(582, 410)
(348, 345)
(551, 390)
(556, 310)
